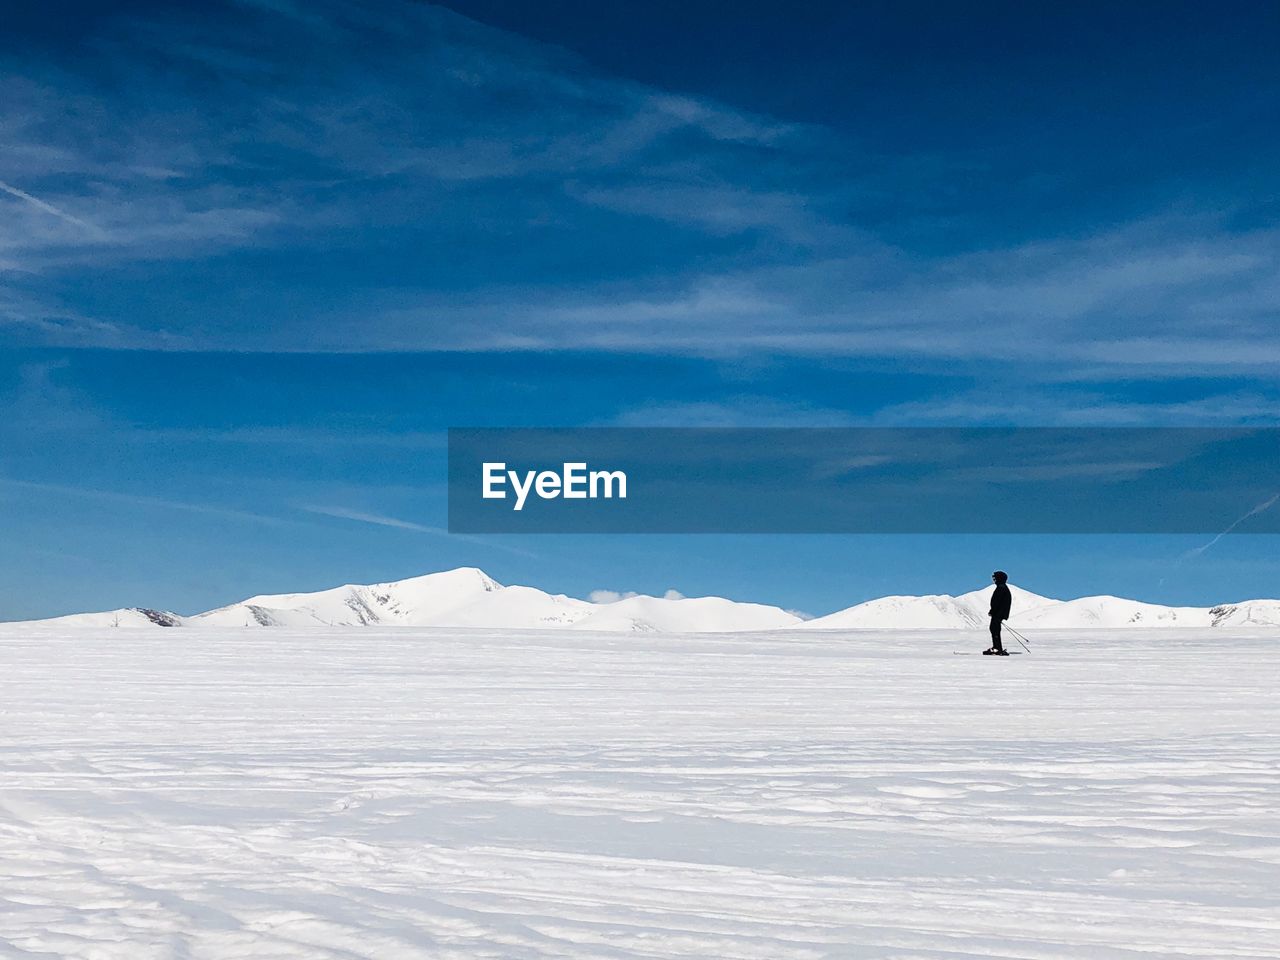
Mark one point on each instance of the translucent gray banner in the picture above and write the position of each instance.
(864, 480)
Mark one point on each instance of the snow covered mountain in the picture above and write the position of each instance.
(902, 613)
(969, 611)
(1022, 601)
(940, 612)
(467, 597)
(1250, 613)
(685, 615)
(124, 617)
(1112, 612)
(417, 602)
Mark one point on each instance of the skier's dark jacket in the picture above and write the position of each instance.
(1000, 601)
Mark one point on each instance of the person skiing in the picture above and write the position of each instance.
(1001, 600)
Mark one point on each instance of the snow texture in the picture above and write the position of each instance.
(334, 794)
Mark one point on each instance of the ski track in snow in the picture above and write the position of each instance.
(450, 794)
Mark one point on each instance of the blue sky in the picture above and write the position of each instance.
(256, 256)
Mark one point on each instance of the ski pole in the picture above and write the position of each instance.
(1017, 636)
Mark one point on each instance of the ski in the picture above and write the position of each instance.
(979, 653)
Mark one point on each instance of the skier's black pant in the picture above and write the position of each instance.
(995, 634)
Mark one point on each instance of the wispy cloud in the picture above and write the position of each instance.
(381, 520)
(1147, 300)
(344, 513)
(29, 317)
(142, 500)
(299, 436)
(41, 404)
(1045, 405)
(1260, 508)
(49, 208)
(368, 114)
(734, 411)
(296, 191)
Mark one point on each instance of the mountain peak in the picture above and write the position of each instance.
(468, 597)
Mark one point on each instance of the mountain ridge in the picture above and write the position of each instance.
(468, 597)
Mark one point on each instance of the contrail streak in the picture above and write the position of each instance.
(49, 208)
(383, 521)
(1260, 508)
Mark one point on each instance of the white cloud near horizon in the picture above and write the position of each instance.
(614, 596)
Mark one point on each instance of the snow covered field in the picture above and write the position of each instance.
(250, 793)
